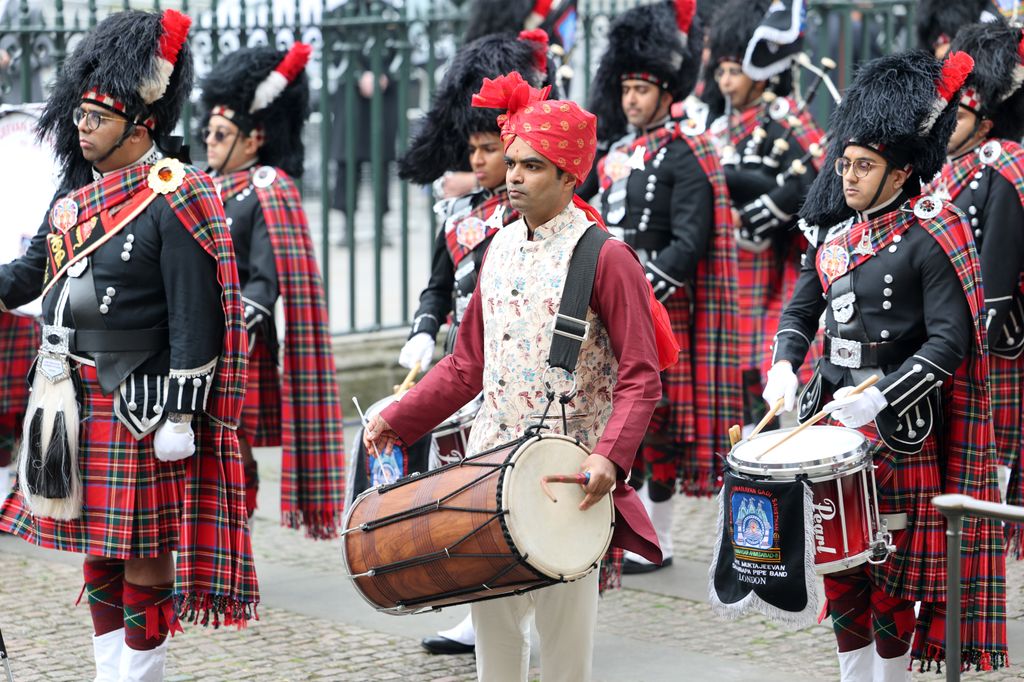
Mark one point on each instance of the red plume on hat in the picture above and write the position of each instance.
(540, 54)
(284, 73)
(685, 11)
(174, 32)
(955, 70)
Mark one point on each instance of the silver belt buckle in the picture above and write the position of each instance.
(845, 353)
(53, 353)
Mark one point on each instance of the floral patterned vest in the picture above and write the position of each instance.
(520, 292)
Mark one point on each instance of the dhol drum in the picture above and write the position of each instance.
(452, 436)
(835, 460)
(477, 529)
(25, 203)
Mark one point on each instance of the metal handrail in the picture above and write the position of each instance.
(955, 508)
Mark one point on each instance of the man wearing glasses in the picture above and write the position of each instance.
(898, 280)
(129, 450)
(253, 137)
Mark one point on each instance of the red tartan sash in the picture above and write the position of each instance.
(844, 252)
(714, 333)
(614, 165)
(969, 451)
(313, 447)
(467, 231)
(231, 184)
(67, 248)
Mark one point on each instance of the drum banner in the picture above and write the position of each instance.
(764, 552)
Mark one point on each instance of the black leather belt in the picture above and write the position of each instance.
(115, 341)
(854, 355)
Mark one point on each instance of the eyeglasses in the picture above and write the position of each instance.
(93, 119)
(219, 134)
(861, 167)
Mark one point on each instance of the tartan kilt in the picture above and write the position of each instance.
(674, 420)
(1006, 386)
(19, 343)
(132, 500)
(759, 286)
(907, 483)
(611, 571)
(261, 410)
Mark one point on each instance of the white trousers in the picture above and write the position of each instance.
(566, 617)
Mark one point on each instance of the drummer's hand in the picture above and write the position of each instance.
(5, 59)
(602, 479)
(854, 411)
(782, 383)
(378, 435)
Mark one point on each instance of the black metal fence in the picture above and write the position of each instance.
(375, 233)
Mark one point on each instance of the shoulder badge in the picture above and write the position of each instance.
(692, 127)
(64, 214)
(927, 207)
(166, 175)
(264, 176)
(990, 152)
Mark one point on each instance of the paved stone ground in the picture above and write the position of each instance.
(47, 635)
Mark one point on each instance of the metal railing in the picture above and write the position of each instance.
(955, 508)
(374, 236)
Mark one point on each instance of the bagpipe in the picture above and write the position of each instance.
(757, 169)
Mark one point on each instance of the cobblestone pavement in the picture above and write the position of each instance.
(47, 635)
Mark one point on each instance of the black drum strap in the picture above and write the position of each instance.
(571, 328)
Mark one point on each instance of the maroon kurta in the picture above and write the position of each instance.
(621, 300)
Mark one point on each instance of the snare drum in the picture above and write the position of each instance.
(478, 529)
(452, 436)
(837, 463)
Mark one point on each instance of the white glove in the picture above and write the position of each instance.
(854, 411)
(174, 441)
(781, 383)
(419, 348)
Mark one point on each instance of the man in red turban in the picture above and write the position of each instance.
(503, 348)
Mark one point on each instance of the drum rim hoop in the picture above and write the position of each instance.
(506, 530)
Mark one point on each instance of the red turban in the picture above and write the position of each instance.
(560, 130)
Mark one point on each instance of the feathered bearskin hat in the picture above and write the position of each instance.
(994, 89)
(902, 106)
(135, 64)
(732, 29)
(938, 21)
(442, 142)
(264, 92)
(658, 43)
(491, 17)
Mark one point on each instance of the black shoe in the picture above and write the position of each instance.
(443, 645)
(630, 567)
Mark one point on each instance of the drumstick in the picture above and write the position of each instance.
(409, 379)
(860, 388)
(768, 417)
(362, 418)
(735, 434)
(582, 478)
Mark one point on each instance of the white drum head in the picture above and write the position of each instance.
(815, 451)
(557, 539)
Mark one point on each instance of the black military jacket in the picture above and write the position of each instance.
(257, 269)
(993, 206)
(151, 275)
(669, 213)
(449, 289)
(909, 299)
